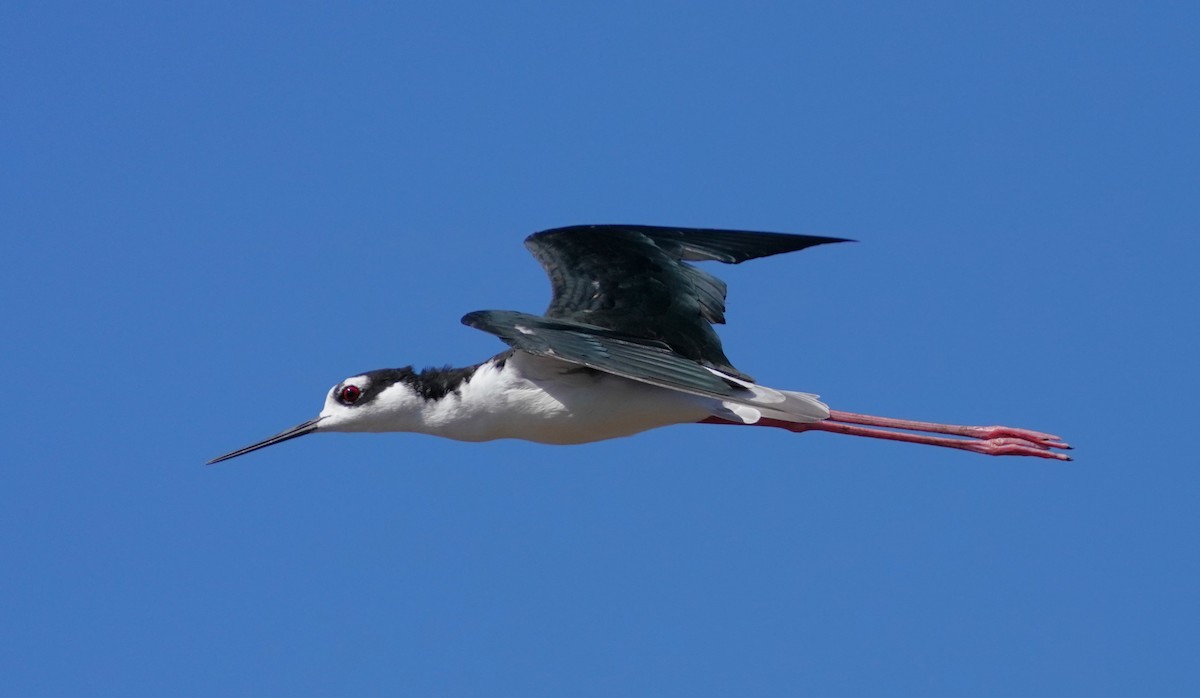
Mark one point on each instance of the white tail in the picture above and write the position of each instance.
(784, 405)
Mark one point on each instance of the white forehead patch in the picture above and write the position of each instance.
(360, 381)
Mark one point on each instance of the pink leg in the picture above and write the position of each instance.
(995, 432)
(992, 441)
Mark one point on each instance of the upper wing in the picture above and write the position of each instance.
(635, 280)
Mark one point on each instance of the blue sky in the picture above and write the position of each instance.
(213, 213)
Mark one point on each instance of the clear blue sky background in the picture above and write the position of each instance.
(213, 213)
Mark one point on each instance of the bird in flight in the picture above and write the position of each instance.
(626, 345)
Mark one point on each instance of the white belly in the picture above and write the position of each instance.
(554, 402)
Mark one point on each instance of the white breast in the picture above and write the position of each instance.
(554, 402)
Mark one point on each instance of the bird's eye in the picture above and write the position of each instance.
(350, 394)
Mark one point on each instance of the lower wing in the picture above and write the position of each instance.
(645, 361)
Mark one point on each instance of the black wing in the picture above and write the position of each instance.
(635, 280)
(601, 349)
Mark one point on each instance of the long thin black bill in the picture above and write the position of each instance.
(299, 430)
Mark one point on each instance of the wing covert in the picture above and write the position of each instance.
(601, 349)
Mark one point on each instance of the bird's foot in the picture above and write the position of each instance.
(1035, 438)
(1014, 446)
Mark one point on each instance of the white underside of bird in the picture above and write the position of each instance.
(550, 401)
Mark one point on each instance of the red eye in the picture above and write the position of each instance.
(350, 394)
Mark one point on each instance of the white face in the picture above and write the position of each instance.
(356, 405)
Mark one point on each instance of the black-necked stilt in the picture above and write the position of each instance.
(626, 345)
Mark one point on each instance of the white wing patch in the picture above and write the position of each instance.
(735, 412)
